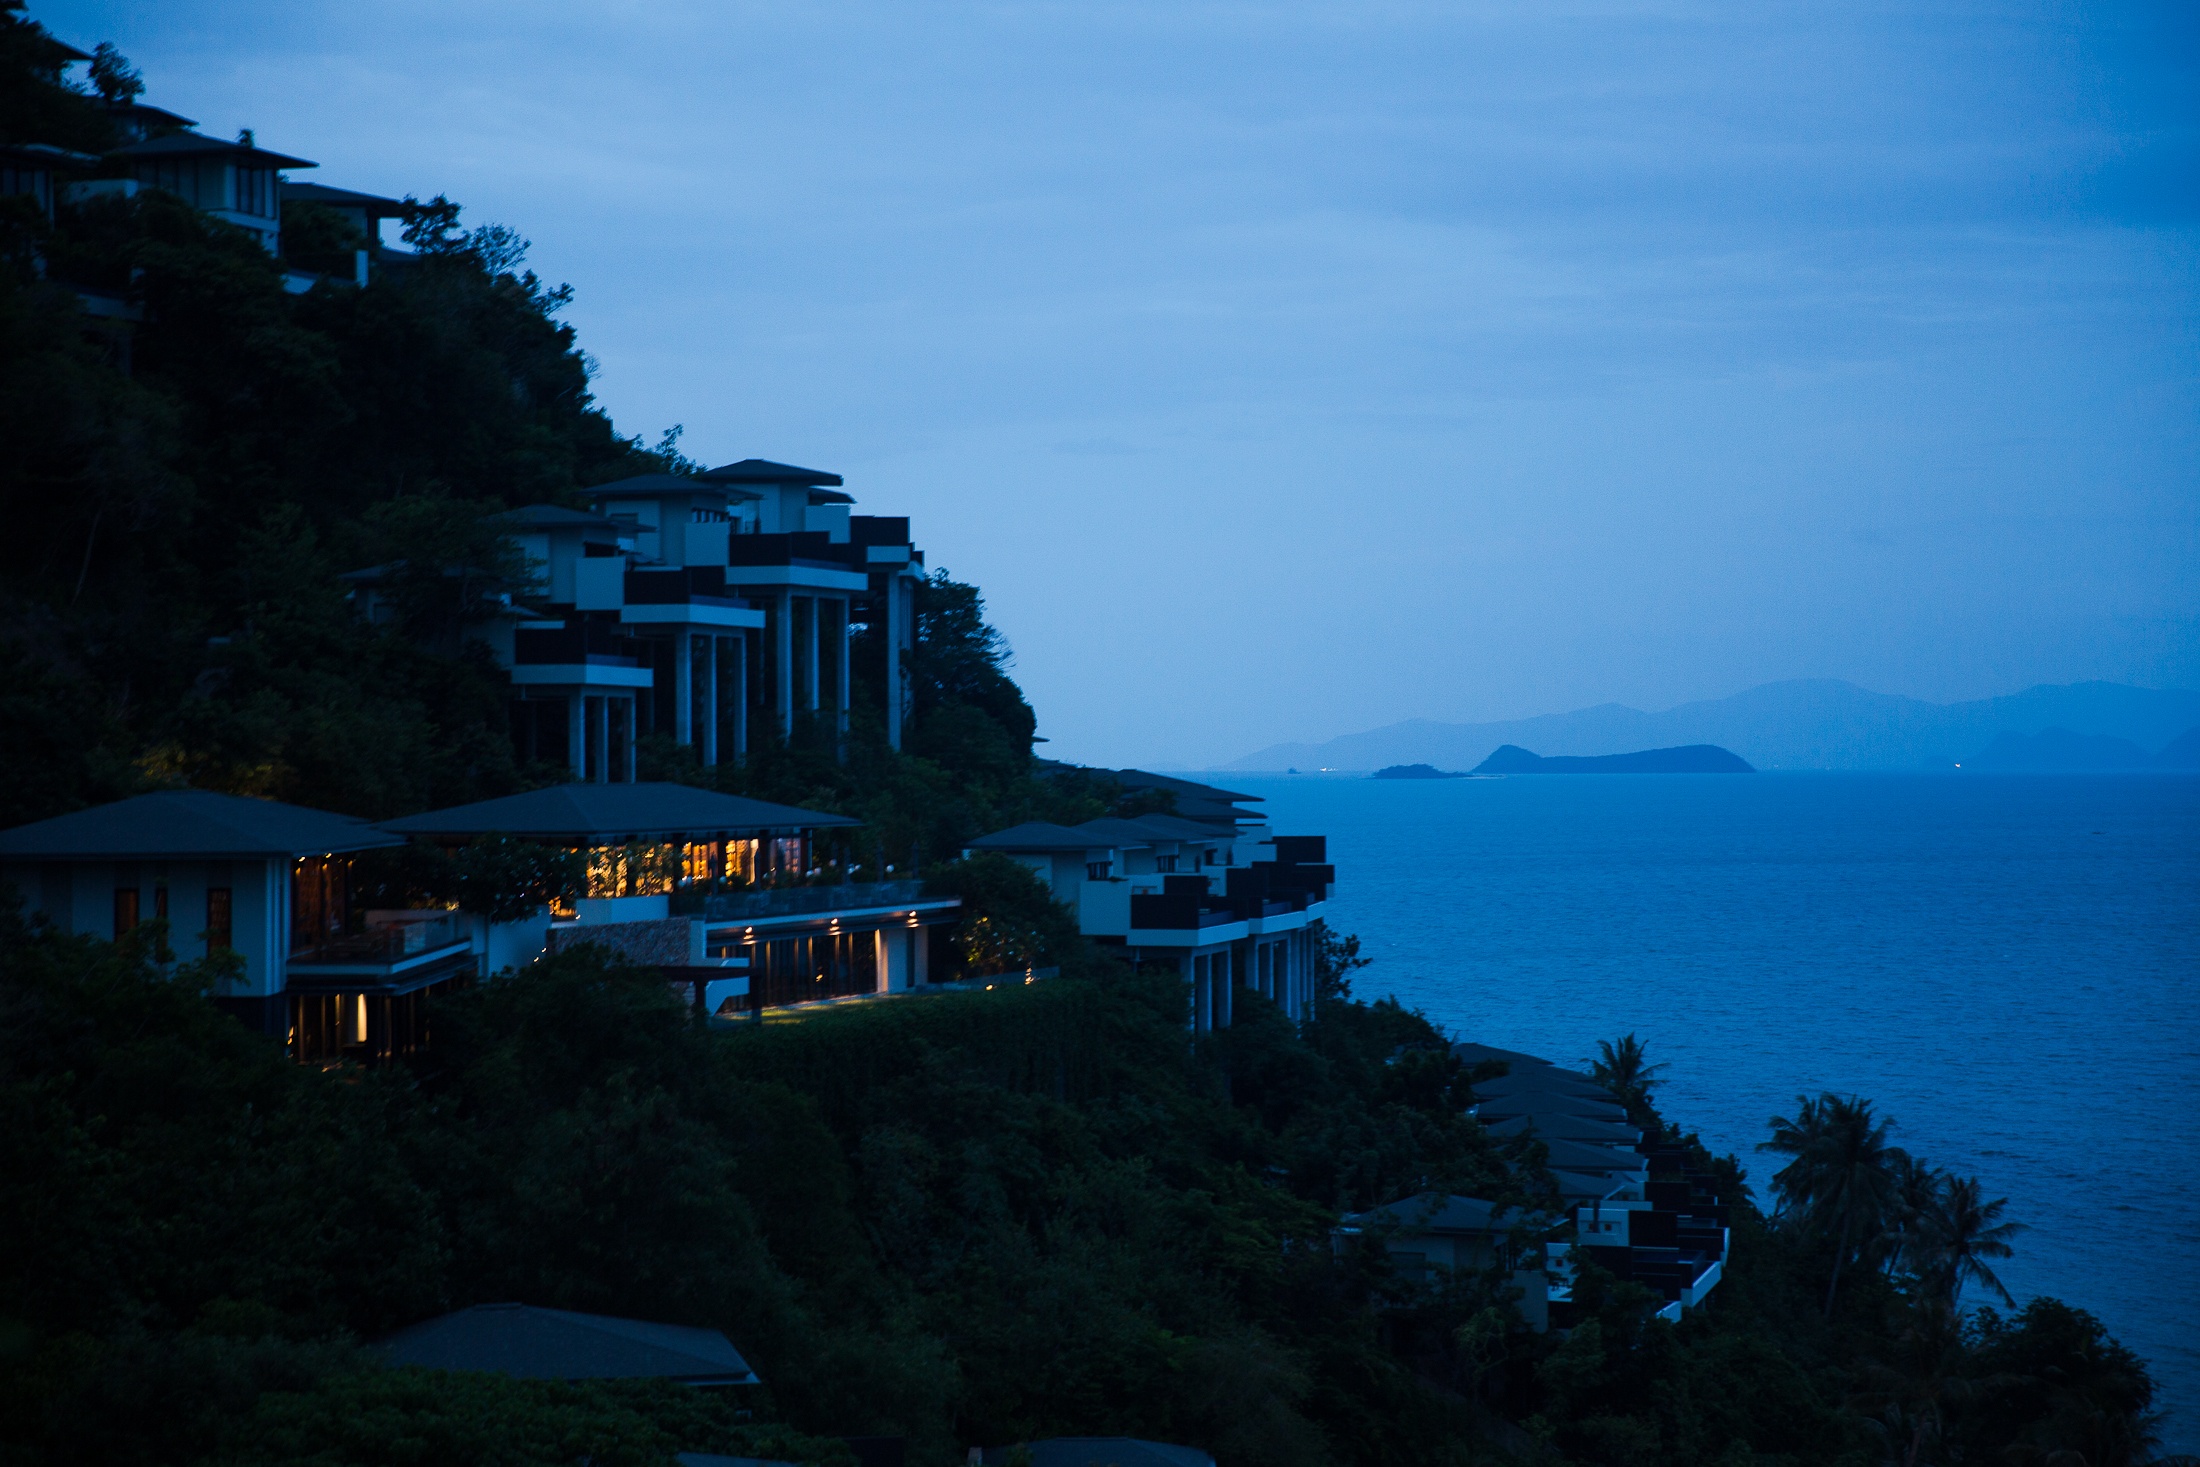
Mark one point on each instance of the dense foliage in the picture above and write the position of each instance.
(968, 1219)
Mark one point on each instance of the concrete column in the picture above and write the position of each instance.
(683, 691)
(740, 651)
(843, 698)
(783, 668)
(895, 615)
(709, 739)
(810, 650)
(1226, 987)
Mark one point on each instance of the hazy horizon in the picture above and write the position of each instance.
(1281, 371)
(1308, 742)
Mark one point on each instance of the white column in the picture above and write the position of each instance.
(894, 618)
(810, 649)
(683, 690)
(783, 672)
(840, 635)
(708, 739)
(740, 651)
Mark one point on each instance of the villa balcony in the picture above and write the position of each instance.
(808, 901)
(396, 956)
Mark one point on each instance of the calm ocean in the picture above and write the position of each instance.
(2008, 965)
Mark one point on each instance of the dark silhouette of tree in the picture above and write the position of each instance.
(1841, 1179)
(1960, 1231)
(1623, 1068)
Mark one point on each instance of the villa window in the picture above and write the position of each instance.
(1166, 865)
(126, 909)
(256, 192)
(217, 918)
(1098, 870)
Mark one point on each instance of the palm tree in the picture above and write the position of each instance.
(1625, 1071)
(1959, 1232)
(1916, 1191)
(1842, 1176)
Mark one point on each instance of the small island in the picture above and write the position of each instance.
(1417, 771)
(1687, 759)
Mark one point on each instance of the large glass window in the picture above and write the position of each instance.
(317, 901)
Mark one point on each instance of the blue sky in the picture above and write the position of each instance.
(1282, 370)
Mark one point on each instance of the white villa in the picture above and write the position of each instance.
(1228, 903)
(716, 608)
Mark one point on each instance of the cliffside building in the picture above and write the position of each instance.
(1220, 898)
(716, 608)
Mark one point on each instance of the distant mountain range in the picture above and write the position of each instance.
(1810, 724)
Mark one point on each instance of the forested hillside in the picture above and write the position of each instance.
(185, 492)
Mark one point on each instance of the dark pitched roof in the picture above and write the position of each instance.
(1142, 779)
(1564, 1126)
(342, 198)
(1583, 1186)
(183, 823)
(1102, 1451)
(1435, 1212)
(1195, 801)
(1176, 827)
(1109, 831)
(1489, 1108)
(556, 1344)
(764, 471)
(1549, 1079)
(145, 112)
(549, 517)
(46, 155)
(193, 145)
(1034, 835)
(614, 812)
(650, 486)
(1584, 1156)
(1475, 1054)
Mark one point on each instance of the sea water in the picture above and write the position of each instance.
(2008, 966)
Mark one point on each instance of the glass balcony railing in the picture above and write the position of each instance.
(384, 944)
(799, 901)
